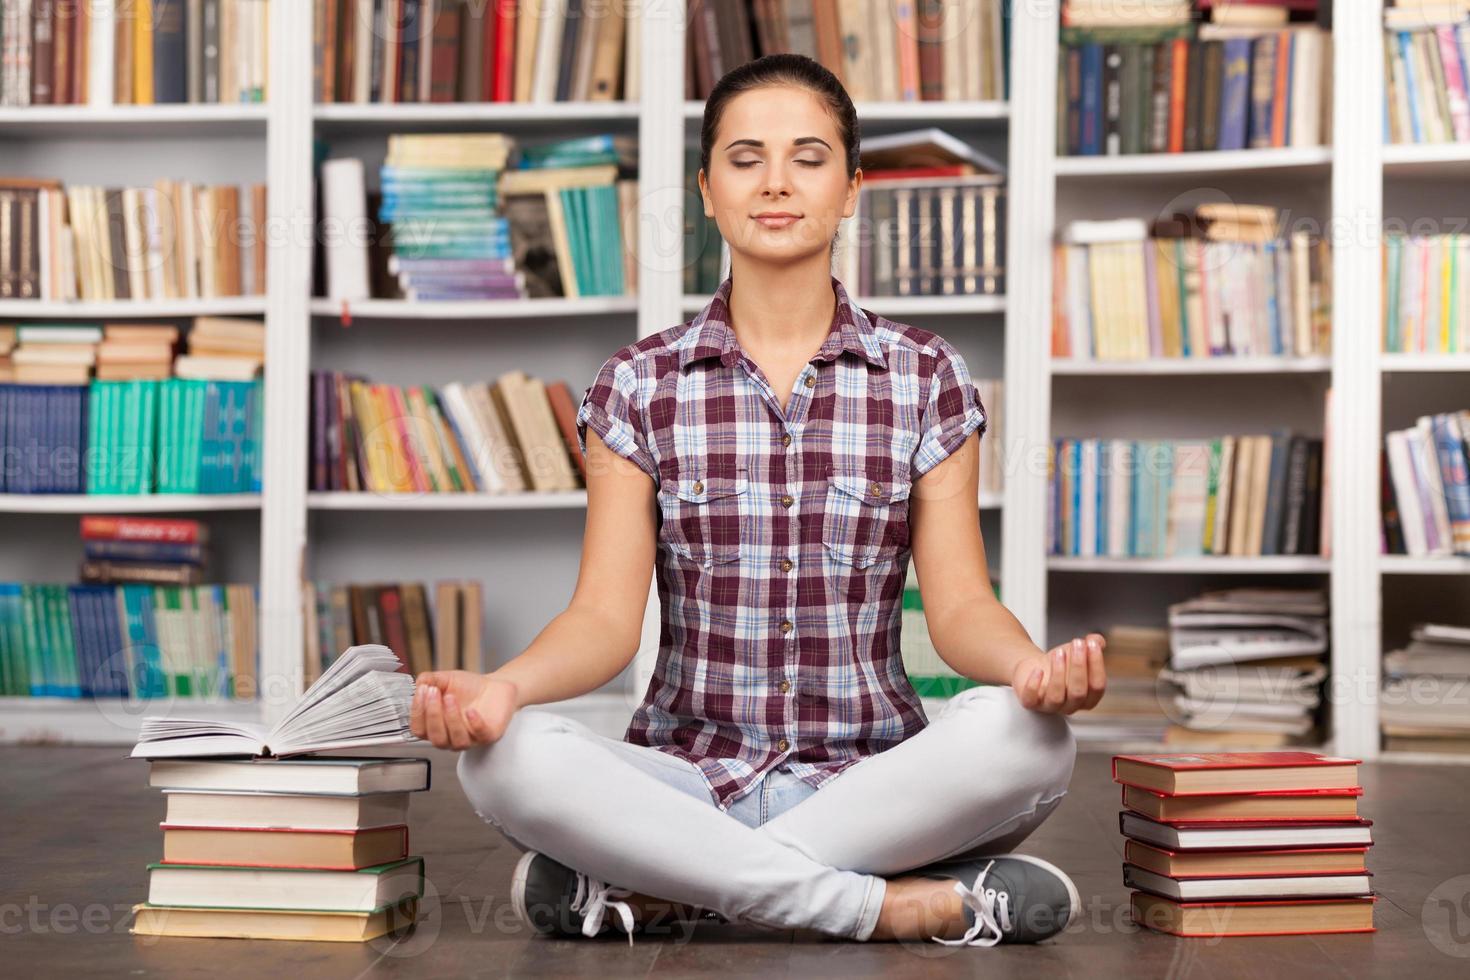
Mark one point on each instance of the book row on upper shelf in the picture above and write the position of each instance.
(390, 51)
(1239, 495)
(930, 220)
(173, 240)
(513, 435)
(447, 635)
(1220, 281)
(907, 52)
(149, 421)
(479, 216)
(133, 52)
(1425, 487)
(1241, 668)
(1147, 78)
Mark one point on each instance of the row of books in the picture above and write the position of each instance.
(1426, 303)
(513, 435)
(128, 641)
(930, 219)
(386, 51)
(1422, 706)
(267, 835)
(172, 240)
(117, 52)
(1426, 98)
(904, 53)
(479, 216)
(1239, 495)
(1245, 843)
(49, 353)
(445, 636)
(130, 437)
(1425, 487)
(1219, 282)
(1173, 89)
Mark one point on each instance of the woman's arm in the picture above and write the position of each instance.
(972, 632)
(583, 647)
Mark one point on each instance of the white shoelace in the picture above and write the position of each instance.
(992, 911)
(594, 898)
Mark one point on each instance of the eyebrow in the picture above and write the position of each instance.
(799, 141)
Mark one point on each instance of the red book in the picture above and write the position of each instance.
(1249, 888)
(96, 527)
(1217, 835)
(1184, 774)
(503, 87)
(1245, 863)
(1311, 804)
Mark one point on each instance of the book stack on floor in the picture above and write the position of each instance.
(268, 837)
(447, 636)
(1245, 843)
(1134, 706)
(1422, 707)
(1248, 667)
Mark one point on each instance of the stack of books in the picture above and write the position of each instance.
(223, 348)
(265, 837)
(1136, 705)
(155, 550)
(1247, 666)
(1245, 843)
(1422, 707)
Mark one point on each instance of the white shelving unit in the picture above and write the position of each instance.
(306, 535)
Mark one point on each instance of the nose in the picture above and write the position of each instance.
(777, 184)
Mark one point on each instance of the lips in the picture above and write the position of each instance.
(777, 220)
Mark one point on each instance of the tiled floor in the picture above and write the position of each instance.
(80, 824)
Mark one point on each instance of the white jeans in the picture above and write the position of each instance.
(977, 780)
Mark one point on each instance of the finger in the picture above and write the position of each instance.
(416, 713)
(1076, 674)
(459, 738)
(1097, 677)
(478, 728)
(1029, 688)
(434, 714)
(1056, 687)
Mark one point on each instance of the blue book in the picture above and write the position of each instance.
(1406, 44)
(1092, 81)
(1450, 448)
(1235, 93)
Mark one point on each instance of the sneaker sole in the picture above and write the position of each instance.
(1076, 899)
(518, 888)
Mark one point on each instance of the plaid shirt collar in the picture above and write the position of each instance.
(710, 334)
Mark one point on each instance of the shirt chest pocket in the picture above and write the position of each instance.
(701, 516)
(866, 518)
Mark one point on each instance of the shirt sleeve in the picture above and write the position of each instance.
(952, 412)
(610, 407)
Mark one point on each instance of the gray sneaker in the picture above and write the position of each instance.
(1009, 898)
(554, 899)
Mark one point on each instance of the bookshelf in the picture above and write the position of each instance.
(531, 555)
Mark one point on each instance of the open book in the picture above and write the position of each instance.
(362, 699)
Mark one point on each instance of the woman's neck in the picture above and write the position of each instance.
(782, 310)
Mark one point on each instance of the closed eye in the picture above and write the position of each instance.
(741, 165)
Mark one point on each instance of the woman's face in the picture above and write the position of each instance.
(777, 151)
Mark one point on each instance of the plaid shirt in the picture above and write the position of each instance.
(783, 544)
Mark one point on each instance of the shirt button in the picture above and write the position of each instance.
(786, 439)
(810, 381)
(786, 565)
(787, 500)
(785, 686)
(785, 626)
(875, 490)
(783, 745)
(698, 486)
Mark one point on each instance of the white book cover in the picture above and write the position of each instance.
(344, 203)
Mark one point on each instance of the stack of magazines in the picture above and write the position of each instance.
(1247, 667)
(1425, 702)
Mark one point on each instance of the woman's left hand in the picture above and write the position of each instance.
(1066, 679)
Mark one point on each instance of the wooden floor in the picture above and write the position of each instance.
(80, 824)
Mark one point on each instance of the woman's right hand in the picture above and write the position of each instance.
(458, 709)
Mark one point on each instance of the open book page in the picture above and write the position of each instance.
(361, 699)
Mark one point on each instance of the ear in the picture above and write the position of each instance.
(853, 187)
(709, 210)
